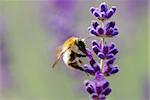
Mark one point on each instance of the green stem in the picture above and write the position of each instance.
(102, 44)
(102, 60)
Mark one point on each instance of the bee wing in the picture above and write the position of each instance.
(59, 54)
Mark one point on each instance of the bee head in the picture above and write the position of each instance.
(81, 45)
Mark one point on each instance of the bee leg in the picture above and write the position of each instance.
(80, 61)
(80, 55)
(76, 66)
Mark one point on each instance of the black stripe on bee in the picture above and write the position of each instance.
(76, 66)
(73, 55)
(80, 44)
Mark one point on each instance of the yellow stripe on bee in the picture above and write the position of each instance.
(70, 42)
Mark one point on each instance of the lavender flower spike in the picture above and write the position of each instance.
(103, 13)
(98, 87)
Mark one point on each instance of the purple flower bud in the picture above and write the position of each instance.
(94, 96)
(94, 42)
(105, 49)
(110, 13)
(98, 89)
(96, 14)
(95, 24)
(112, 45)
(114, 51)
(92, 9)
(105, 85)
(100, 30)
(93, 31)
(89, 69)
(110, 61)
(109, 70)
(103, 7)
(96, 67)
(115, 33)
(114, 8)
(114, 70)
(103, 15)
(110, 24)
(109, 32)
(99, 76)
(95, 49)
(107, 91)
(109, 56)
(92, 62)
(101, 55)
(90, 89)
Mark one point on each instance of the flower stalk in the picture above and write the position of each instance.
(102, 60)
(98, 87)
(103, 41)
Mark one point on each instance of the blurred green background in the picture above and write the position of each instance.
(31, 30)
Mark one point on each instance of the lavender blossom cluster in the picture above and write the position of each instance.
(98, 87)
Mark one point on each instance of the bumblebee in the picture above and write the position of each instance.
(72, 51)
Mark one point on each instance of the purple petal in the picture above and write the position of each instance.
(107, 70)
(114, 70)
(94, 42)
(105, 49)
(89, 89)
(115, 33)
(109, 56)
(99, 76)
(94, 96)
(110, 24)
(110, 13)
(94, 24)
(111, 61)
(107, 91)
(100, 30)
(109, 32)
(98, 89)
(101, 55)
(89, 69)
(103, 7)
(112, 45)
(114, 51)
(96, 67)
(96, 14)
(93, 31)
(96, 49)
(103, 15)
(114, 8)
(105, 85)
(92, 62)
(92, 9)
